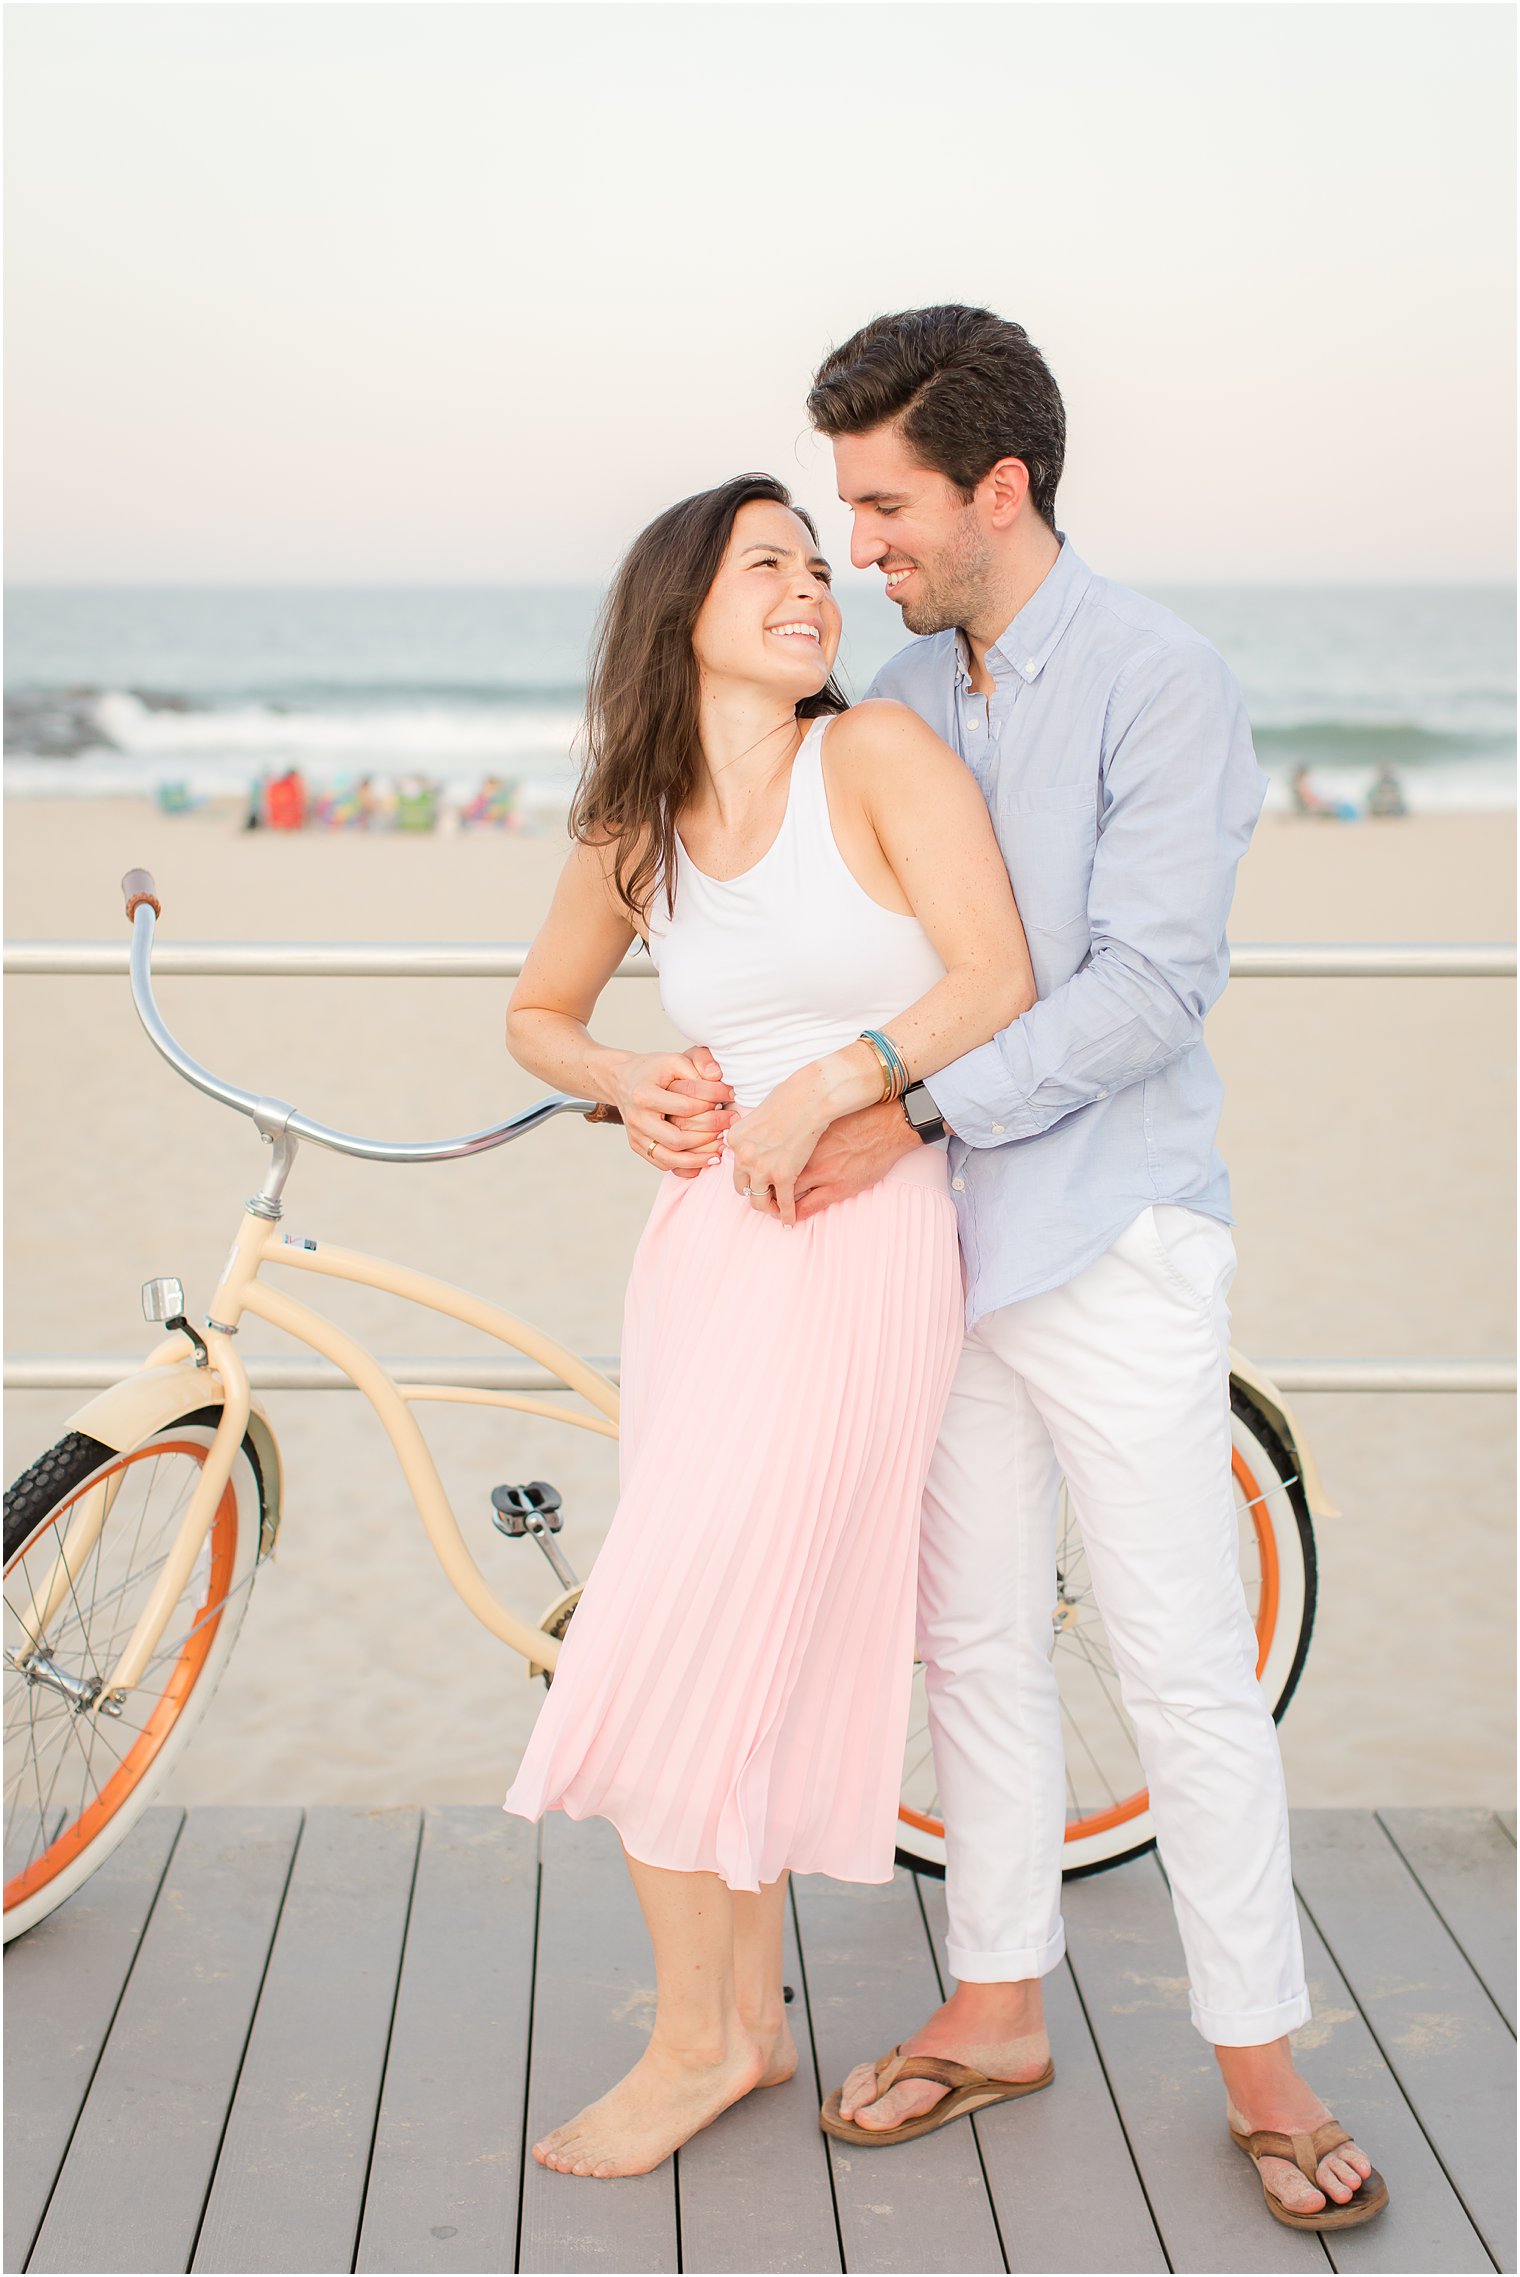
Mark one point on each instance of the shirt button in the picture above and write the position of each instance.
(997, 1130)
(1032, 665)
(959, 1184)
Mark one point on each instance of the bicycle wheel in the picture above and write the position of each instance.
(79, 1769)
(1108, 1816)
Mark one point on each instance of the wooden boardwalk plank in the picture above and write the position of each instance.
(593, 2006)
(1062, 2179)
(152, 1976)
(444, 2180)
(1465, 1863)
(921, 2206)
(134, 2185)
(1436, 2026)
(1425, 2228)
(1126, 1957)
(754, 2188)
(63, 1980)
(289, 2183)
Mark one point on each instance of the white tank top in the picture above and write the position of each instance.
(790, 960)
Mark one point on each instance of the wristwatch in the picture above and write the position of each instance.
(923, 1116)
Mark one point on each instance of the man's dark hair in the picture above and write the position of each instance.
(969, 388)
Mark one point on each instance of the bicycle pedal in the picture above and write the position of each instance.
(513, 1507)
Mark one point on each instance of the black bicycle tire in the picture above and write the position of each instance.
(46, 1481)
(72, 1458)
(1243, 1405)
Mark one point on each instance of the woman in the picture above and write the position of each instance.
(733, 1691)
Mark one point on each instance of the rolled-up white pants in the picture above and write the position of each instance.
(1119, 1380)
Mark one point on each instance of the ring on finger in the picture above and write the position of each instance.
(649, 1150)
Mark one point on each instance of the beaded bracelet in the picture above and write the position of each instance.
(895, 1078)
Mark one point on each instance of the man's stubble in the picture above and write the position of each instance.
(956, 586)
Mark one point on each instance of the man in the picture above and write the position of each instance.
(1112, 748)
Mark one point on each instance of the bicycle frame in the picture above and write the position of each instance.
(240, 1291)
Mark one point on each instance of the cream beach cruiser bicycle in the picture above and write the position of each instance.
(131, 1545)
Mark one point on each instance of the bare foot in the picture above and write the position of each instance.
(961, 2031)
(780, 2058)
(1341, 2172)
(662, 2103)
(1263, 2091)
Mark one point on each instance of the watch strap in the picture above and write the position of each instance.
(923, 1115)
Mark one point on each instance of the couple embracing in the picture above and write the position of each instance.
(941, 1222)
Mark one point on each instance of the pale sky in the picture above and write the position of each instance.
(465, 293)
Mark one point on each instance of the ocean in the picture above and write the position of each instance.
(135, 689)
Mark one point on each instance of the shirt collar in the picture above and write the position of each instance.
(1025, 648)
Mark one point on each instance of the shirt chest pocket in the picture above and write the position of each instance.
(1049, 838)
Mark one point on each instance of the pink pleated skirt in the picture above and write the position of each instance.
(733, 1691)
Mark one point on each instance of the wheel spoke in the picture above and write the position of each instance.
(1091, 1639)
(58, 1776)
(923, 1756)
(147, 1497)
(85, 1754)
(210, 1613)
(53, 1706)
(1119, 1716)
(42, 1808)
(117, 1591)
(74, 1599)
(41, 1805)
(1260, 1501)
(1087, 1751)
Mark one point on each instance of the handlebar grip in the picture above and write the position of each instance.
(137, 885)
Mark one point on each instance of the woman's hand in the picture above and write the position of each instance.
(704, 1122)
(655, 1093)
(771, 1145)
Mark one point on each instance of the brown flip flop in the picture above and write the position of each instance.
(970, 2091)
(1305, 2152)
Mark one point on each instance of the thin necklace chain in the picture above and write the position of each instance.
(804, 725)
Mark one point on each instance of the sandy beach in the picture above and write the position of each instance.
(1367, 1129)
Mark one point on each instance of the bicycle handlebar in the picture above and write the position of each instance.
(272, 1117)
(138, 886)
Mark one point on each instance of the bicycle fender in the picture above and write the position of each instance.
(144, 1403)
(1278, 1413)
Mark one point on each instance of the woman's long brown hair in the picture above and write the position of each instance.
(642, 751)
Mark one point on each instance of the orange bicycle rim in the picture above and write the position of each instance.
(180, 1683)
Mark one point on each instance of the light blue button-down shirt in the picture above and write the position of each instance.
(1116, 761)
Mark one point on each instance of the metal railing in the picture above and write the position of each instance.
(472, 960)
(468, 960)
(97, 1371)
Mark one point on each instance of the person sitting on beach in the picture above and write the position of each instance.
(1386, 797)
(285, 801)
(490, 806)
(1111, 745)
(1306, 799)
(822, 894)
